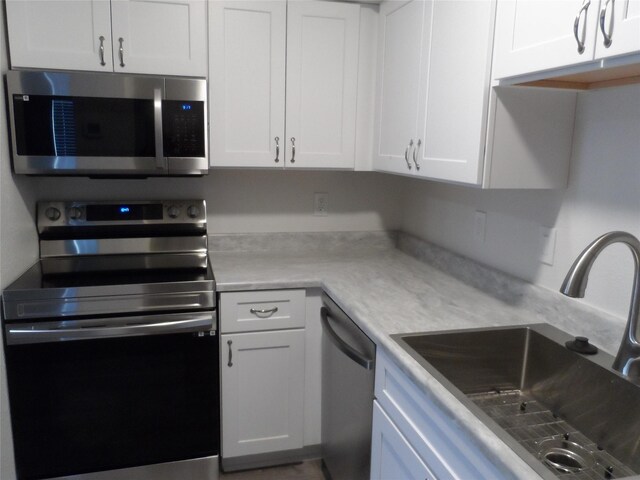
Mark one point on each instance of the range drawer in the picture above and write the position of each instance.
(261, 310)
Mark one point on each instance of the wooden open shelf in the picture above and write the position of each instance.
(609, 77)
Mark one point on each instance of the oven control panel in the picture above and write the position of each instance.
(142, 213)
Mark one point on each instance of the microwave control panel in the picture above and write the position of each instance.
(183, 125)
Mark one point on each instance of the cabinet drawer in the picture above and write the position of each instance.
(448, 451)
(261, 310)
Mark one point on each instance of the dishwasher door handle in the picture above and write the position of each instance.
(344, 347)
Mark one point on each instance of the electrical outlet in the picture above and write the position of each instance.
(479, 226)
(321, 204)
(547, 245)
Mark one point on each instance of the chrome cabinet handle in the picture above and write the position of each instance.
(293, 149)
(230, 362)
(263, 311)
(121, 51)
(277, 139)
(603, 16)
(415, 152)
(576, 26)
(406, 154)
(101, 49)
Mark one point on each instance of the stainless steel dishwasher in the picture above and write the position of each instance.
(348, 361)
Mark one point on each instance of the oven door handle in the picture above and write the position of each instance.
(109, 328)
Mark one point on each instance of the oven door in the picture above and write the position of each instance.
(103, 394)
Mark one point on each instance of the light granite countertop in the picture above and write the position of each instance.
(394, 283)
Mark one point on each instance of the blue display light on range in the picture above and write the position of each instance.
(124, 209)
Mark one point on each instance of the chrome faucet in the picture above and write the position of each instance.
(627, 360)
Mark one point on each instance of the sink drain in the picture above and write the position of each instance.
(565, 456)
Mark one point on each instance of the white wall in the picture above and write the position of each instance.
(603, 195)
(18, 249)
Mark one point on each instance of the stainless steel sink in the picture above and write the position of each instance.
(566, 414)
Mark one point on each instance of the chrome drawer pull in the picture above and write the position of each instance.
(293, 149)
(277, 139)
(264, 310)
(230, 363)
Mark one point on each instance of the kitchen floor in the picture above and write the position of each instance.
(309, 470)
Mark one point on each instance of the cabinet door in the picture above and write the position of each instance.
(262, 385)
(535, 35)
(454, 84)
(391, 454)
(167, 37)
(621, 19)
(52, 34)
(400, 38)
(247, 41)
(322, 83)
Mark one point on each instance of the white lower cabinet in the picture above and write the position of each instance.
(393, 457)
(262, 381)
(263, 376)
(415, 438)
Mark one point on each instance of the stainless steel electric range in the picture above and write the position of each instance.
(111, 345)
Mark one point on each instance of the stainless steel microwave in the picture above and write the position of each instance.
(107, 125)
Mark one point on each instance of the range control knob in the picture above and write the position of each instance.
(173, 211)
(193, 211)
(52, 213)
(75, 213)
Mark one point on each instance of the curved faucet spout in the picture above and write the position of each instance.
(575, 284)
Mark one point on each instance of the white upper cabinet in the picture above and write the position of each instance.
(538, 35)
(160, 36)
(156, 36)
(250, 46)
(454, 85)
(619, 28)
(434, 73)
(438, 117)
(247, 82)
(399, 48)
(322, 84)
(51, 34)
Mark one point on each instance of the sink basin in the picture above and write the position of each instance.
(565, 413)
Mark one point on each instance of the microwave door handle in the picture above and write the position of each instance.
(157, 118)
